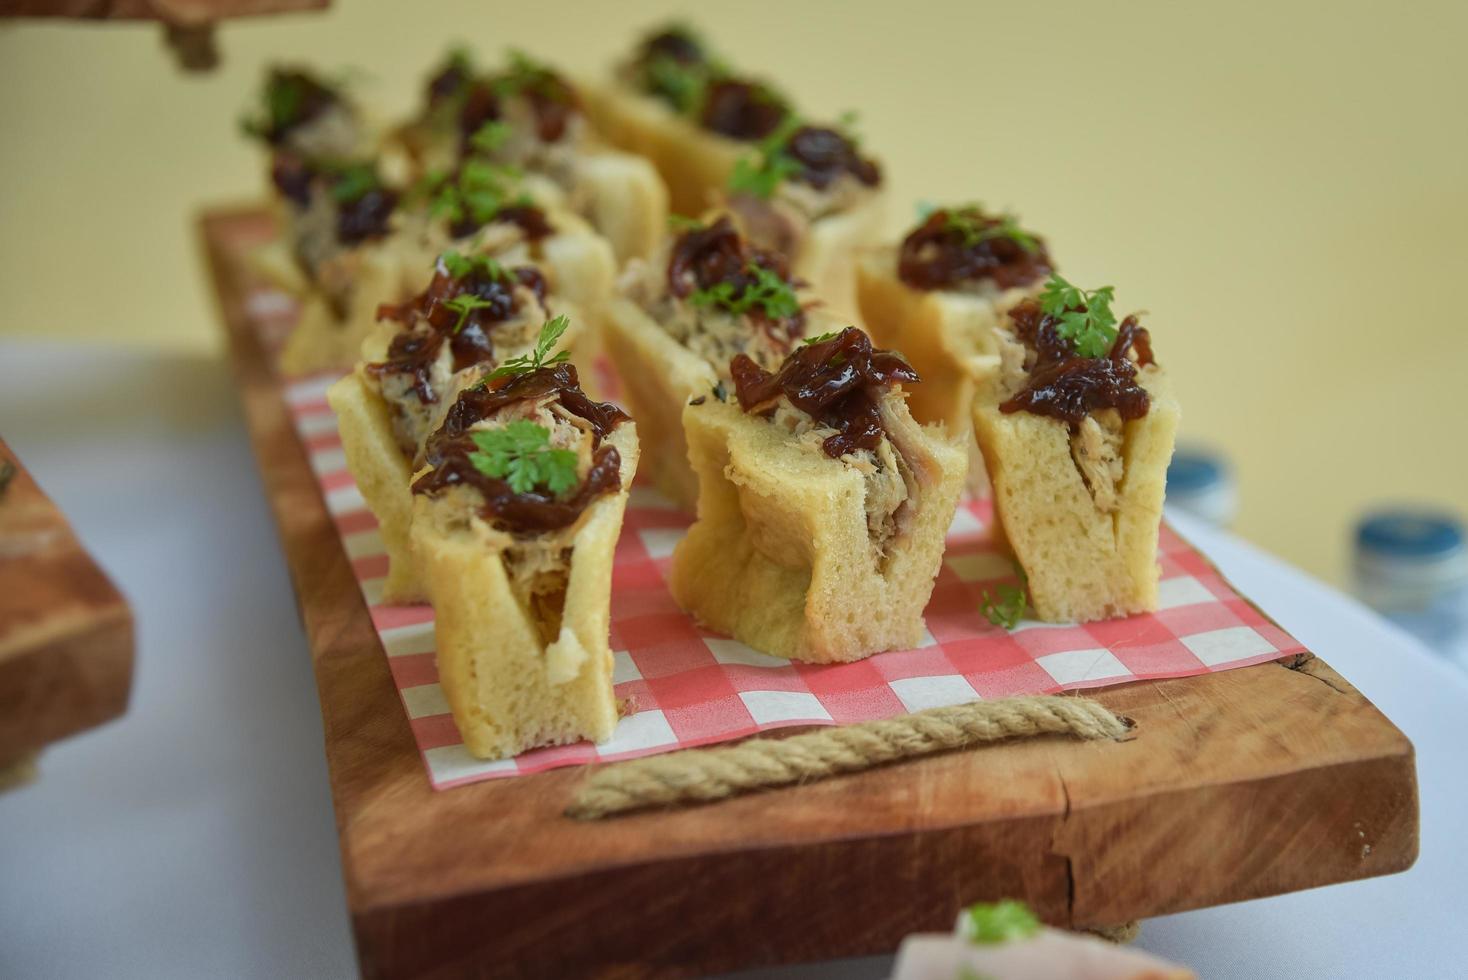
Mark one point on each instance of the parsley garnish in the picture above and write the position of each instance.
(460, 59)
(773, 295)
(464, 304)
(991, 923)
(829, 335)
(970, 223)
(283, 96)
(354, 181)
(1082, 317)
(681, 85)
(720, 392)
(481, 190)
(679, 222)
(520, 454)
(491, 136)
(550, 332)
(1008, 608)
(760, 174)
(460, 266)
(526, 75)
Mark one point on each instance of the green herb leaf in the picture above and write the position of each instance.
(829, 335)
(681, 86)
(1083, 318)
(680, 222)
(525, 74)
(762, 172)
(353, 181)
(970, 222)
(1009, 607)
(773, 295)
(992, 923)
(481, 191)
(7, 473)
(464, 304)
(520, 454)
(460, 266)
(491, 136)
(550, 333)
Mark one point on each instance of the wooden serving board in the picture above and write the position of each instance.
(66, 634)
(1235, 785)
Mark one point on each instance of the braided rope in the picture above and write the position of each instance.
(704, 775)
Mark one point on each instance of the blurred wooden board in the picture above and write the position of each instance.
(174, 11)
(66, 634)
(1236, 785)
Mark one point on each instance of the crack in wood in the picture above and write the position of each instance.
(1305, 663)
(1070, 873)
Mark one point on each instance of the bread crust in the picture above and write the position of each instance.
(780, 556)
(509, 689)
(944, 335)
(695, 164)
(659, 376)
(382, 475)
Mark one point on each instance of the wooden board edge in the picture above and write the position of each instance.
(68, 675)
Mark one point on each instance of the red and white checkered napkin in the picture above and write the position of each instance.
(691, 687)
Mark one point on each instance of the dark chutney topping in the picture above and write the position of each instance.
(449, 82)
(365, 216)
(676, 44)
(363, 208)
(414, 351)
(449, 449)
(293, 99)
(1065, 386)
(741, 110)
(939, 254)
(551, 98)
(838, 382)
(702, 258)
(824, 155)
(292, 176)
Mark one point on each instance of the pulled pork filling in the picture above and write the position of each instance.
(964, 249)
(337, 207)
(533, 530)
(831, 394)
(719, 296)
(1095, 396)
(500, 312)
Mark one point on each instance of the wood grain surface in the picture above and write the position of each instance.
(170, 11)
(66, 634)
(1234, 785)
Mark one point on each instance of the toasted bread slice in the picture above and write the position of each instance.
(510, 685)
(1083, 562)
(781, 556)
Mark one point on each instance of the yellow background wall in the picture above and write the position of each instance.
(1284, 186)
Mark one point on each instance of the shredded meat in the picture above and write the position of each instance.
(1095, 446)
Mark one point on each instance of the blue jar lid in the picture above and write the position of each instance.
(1195, 471)
(1409, 533)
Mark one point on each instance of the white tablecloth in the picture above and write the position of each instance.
(195, 838)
